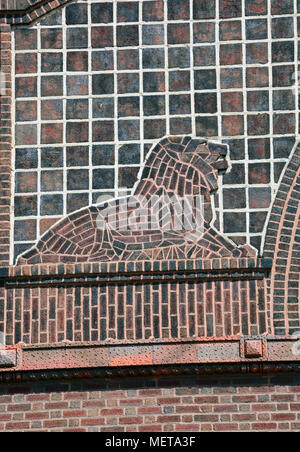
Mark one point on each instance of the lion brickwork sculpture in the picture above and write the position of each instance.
(168, 216)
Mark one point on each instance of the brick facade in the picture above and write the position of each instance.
(139, 330)
(173, 405)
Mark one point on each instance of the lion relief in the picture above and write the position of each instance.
(168, 216)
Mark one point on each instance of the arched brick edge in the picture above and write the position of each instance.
(282, 244)
(18, 12)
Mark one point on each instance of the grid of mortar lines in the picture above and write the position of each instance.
(247, 234)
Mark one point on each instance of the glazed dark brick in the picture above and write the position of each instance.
(51, 157)
(257, 77)
(103, 131)
(204, 32)
(26, 110)
(129, 154)
(78, 179)
(234, 198)
(127, 177)
(179, 80)
(103, 84)
(25, 206)
(77, 156)
(77, 38)
(256, 7)
(257, 221)
(52, 62)
(127, 35)
(154, 82)
(153, 34)
(128, 11)
(51, 38)
(51, 109)
(52, 180)
(153, 58)
(282, 51)
(25, 63)
(180, 126)
(52, 85)
(76, 201)
(259, 173)
(237, 148)
(129, 130)
(207, 126)
(283, 146)
(77, 61)
(204, 56)
(20, 248)
(284, 124)
(233, 125)
(258, 100)
(102, 60)
(236, 176)
(231, 78)
(278, 7)
(128, 106)
(259, 148)
(103, 154)
(51, 205)
(128, 59)
(257, 53)
(205, 79)
(178, 10)
(278, 168)
(77, 85)
(258, 124)
(232, 102)
(204, 9)
(52, 19)
(259, 198)
(206, 103)
(52, 133)
(154, 105)
(153, 11)
(128, 83)
(231, 31)
(178, 33)
(26, 182)
(77, 132)
(25, 230)
(26, 86)
(283, 27)
(283, 100)
(231, 54)
(154, 128)
(102, 12)
(256, 29)
(235, 222)
(25, 135)
(103, 178)
(26, 158)
(283, 75)
(25, 39)
(179, 57)
(76, 14)
(103, 107)
(102, 37)
(77, 108)
(180, 104)
(230, 8)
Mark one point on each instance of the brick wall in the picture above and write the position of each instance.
(154, 405)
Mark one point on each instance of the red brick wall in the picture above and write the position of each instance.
(173, 405)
